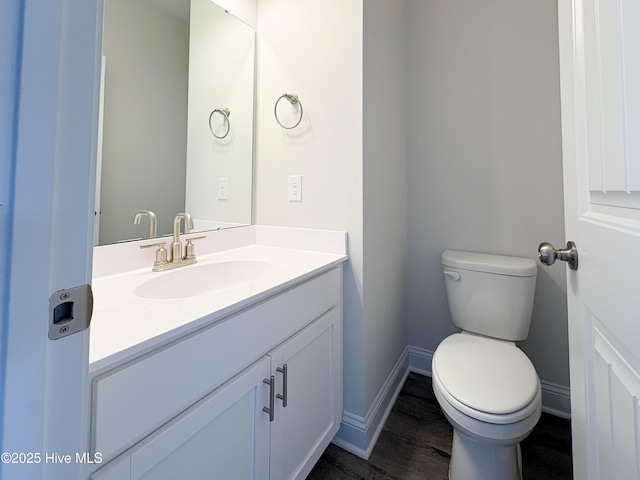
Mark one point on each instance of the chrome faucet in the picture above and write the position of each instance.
(176, 258)
(176, 245)
(152, 221)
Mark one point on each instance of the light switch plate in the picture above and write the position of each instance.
(295, 188)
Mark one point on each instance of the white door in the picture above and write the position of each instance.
(600, 87)
(51, 56)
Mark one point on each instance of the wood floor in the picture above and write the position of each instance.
(416, 444)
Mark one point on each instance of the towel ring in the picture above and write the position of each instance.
(293, 100)
(225, 112)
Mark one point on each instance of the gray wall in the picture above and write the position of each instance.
(384, 190)
(485, 165)
(145, 118)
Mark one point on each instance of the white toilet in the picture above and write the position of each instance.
(486, 386)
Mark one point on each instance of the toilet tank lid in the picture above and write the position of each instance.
(488, 263)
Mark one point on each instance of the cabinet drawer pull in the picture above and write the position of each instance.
(272, 400)
(283, 396)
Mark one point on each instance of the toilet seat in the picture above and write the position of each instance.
(488, 379)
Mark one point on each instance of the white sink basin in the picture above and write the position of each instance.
(201, 279)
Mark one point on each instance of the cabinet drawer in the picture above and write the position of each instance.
(134, 400)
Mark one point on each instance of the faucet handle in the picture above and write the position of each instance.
(161, 253)
(189, 249)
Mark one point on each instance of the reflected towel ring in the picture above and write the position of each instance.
(225, 112)
(293, 100)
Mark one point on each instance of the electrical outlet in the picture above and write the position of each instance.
(295, 188)
(222, 189)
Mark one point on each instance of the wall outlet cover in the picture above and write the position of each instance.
(223, 188)
(295, 188)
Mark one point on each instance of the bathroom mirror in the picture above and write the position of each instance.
(175, 72)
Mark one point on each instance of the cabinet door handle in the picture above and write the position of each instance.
(272, 400)
(283, 396)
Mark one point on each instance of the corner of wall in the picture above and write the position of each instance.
(245, 10)
(359, 435)
(420, 360)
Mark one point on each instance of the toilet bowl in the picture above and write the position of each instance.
(486, 386)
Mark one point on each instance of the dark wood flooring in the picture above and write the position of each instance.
(415, 443)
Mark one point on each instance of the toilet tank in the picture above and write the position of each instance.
(490, 295)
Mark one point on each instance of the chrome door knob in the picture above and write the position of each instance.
(548, 254)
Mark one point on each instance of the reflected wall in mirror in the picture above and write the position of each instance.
(167, 65)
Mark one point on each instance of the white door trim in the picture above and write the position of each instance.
(46, 407)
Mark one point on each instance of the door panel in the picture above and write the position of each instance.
(616, 385)
(611, 59)
(600, 92)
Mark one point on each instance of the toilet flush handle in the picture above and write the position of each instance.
(454, 275)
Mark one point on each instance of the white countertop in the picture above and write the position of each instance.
(125, 326)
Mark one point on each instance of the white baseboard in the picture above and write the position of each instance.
(556, 399)
(359, 435)
(420, 360)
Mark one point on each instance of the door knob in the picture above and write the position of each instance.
(548, 254)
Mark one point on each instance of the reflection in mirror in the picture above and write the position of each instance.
(168, 66)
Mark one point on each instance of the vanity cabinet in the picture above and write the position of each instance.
(301, 431)
(225, 435)
(294, 338)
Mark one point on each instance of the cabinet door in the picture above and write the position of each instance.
(223, 436)
(301, 431)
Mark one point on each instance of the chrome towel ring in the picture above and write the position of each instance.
(293, 100)
(225, 112)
